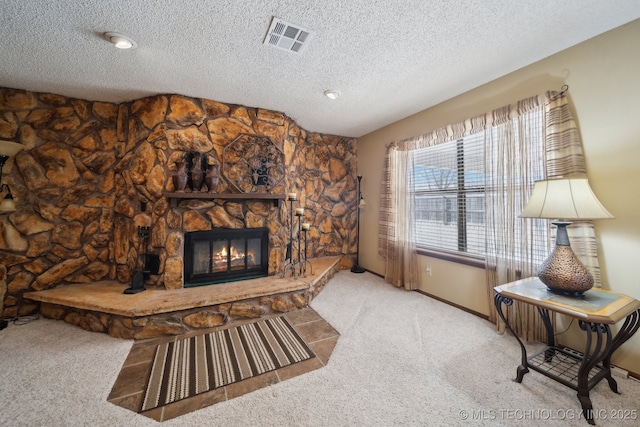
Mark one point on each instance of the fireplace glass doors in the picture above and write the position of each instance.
(224, 255)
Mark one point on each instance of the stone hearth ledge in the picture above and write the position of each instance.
(108, 297)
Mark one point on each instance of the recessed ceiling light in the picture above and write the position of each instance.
(120, 41)
(332, 94)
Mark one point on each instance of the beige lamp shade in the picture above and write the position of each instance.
(567, 199)
(7, 205)
(9, 148)
(564, 199)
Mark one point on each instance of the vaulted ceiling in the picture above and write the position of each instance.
(388, 59)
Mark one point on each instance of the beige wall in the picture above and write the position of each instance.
(604, 88)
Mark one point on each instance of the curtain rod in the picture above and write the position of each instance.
(564, 89)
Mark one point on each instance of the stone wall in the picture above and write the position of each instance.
(92, 172)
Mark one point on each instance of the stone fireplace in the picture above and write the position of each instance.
(91, 173)
(224, 255)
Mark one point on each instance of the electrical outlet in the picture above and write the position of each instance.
(619, 372)
(428, 269)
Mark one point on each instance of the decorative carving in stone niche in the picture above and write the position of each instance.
(253, 164)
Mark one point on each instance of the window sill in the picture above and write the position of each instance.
(447, 256)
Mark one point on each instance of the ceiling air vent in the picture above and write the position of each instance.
(286, 36)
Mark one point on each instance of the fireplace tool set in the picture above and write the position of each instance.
(150, 263)
(299, 267)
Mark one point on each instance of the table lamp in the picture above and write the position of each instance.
(564, 199)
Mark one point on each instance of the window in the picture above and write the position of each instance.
(449, 196)
(451, 190)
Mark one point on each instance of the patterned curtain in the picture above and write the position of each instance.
(506, 130)
(401, 258)
(515, 247)
(565, 159)
(396, 235)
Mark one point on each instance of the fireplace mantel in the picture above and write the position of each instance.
(276, 198)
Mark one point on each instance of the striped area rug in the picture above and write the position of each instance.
(194, 365)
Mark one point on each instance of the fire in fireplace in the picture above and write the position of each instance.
(224, 255)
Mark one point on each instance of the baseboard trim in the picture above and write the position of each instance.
(374, 273)
(475, 313)
(468, 310)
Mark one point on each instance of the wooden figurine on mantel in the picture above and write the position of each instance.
(212, 179)
(180, 177)
(197, 175)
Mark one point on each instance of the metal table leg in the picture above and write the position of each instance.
(524, 366)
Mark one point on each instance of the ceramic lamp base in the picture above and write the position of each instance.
(563, 272)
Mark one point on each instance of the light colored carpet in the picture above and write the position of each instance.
(402, 359)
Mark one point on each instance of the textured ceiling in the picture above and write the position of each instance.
(390, 59)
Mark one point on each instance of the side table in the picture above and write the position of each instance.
(596, 310)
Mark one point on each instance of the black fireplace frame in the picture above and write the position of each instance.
(228, 234)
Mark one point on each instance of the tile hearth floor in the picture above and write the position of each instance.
(128, 390)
